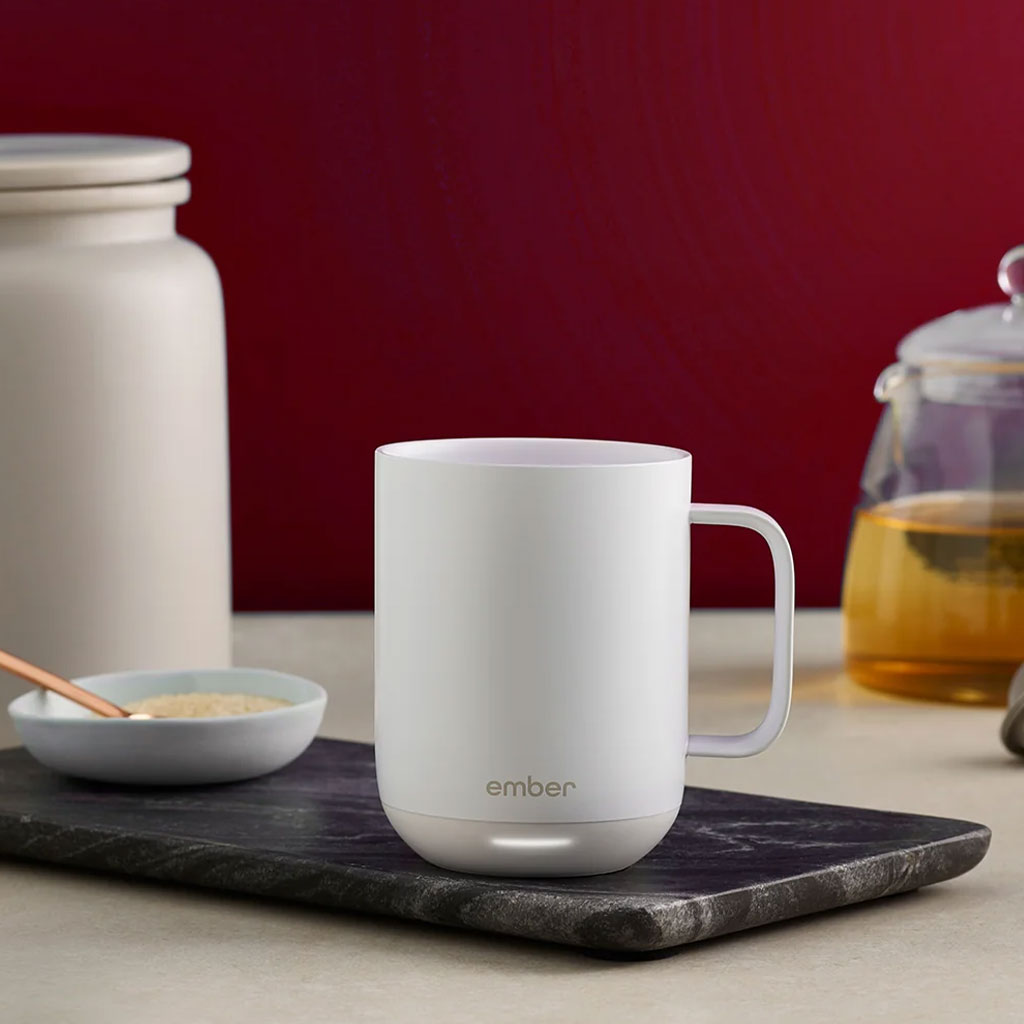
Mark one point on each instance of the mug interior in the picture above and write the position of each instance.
(533, 451)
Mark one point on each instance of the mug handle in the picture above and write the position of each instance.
(774, 721)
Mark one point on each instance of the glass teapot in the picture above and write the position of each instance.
(933, 592)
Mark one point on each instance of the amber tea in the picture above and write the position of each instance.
(933, 597)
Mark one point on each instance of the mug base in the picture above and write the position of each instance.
(528, 849)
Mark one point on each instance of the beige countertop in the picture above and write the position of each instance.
(83, 948)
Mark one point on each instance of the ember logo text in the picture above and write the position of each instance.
(531, 787)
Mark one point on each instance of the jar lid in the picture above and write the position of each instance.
(984, 334)
(69, 161)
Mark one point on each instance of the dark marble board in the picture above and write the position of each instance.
(314, 832)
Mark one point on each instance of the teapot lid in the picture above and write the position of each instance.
(984, 334)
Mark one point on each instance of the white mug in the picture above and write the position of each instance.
(532, 597)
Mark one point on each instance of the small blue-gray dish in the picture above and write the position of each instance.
(171, 751)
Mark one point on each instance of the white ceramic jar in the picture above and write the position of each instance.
(114, 534)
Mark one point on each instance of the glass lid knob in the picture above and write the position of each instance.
(1011, 274)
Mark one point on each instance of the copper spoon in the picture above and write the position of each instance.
(58, 684)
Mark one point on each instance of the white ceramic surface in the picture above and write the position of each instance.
(38, 161)
(532, 599)
(114, 536)
(171, 751)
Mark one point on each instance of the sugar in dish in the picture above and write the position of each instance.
(171, 750)
(204, 705)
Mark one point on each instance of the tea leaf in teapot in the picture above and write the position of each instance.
(978, 538)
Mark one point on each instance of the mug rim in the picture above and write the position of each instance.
(546, 452)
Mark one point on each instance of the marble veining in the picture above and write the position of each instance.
(314, 833)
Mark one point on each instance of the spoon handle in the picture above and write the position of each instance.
(58, 684)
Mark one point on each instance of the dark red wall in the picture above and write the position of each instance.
(704, 224)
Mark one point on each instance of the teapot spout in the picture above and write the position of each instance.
(888, 381)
